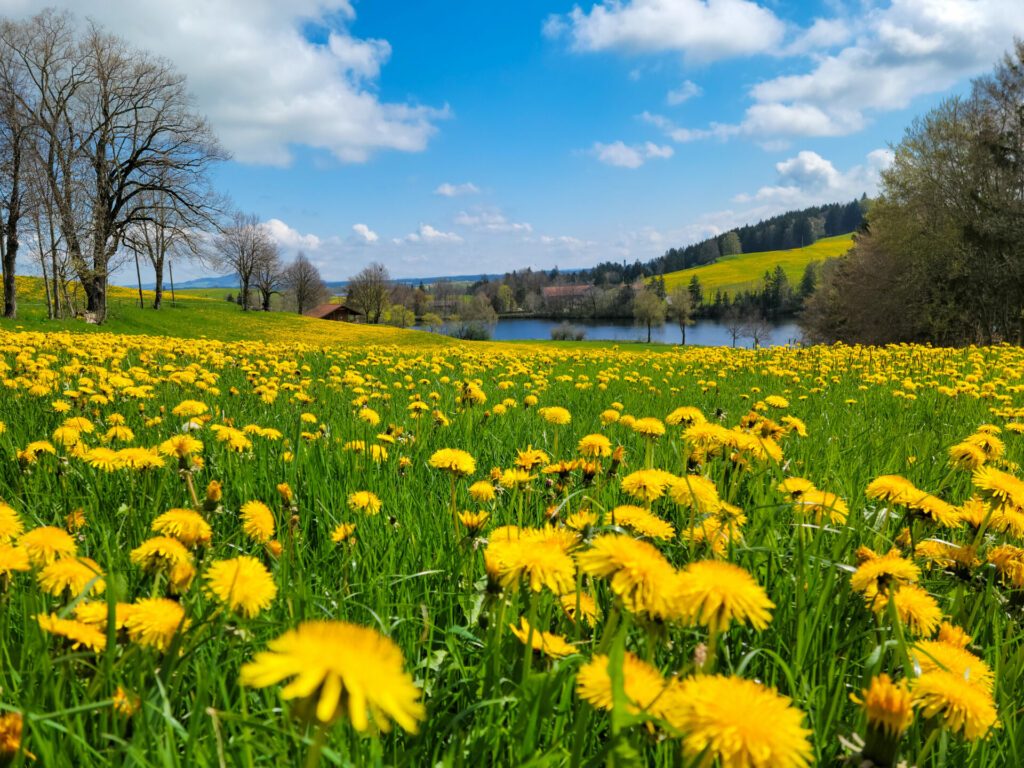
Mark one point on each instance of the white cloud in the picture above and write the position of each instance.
(456, 190)
(807, 178)
(907, 49)
(622, 155)
(428, 234)
(684, 92)
(263, 85)
(490, 221)
(290, 239)
(822, 35)
(702, 29)
(365, 234)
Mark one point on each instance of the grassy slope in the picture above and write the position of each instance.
(204, 313)
(745, 270)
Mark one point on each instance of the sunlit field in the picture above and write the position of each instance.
(256, 553)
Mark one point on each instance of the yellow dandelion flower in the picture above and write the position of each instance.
(713, 594)
(889, 708)
(687, 415)
(334, 665)
(547, 643)
(154, 622)
(257, 521)
(999, 487)
(556, 415)
(181, 446)
(696, 492)
(594, 446)
(641, 520)
(473, 522)
(78, 633)
(531, 458)
(243, 584)
(941, 654)
(649, 427)
(482, 491)
(541, 562)
(637, 572)
(739, 723)
(74, 574)
(188, 527)
(11, 526)
(160, 554)
(917, 610)
(365, 502)
(46, 543)
(189, 408)
(453, 460)
(343, 532)
(960, 705)
(581, 520)
(643, 685)
(580, 605)
(876, 573)
(12, 559)
(647, 484)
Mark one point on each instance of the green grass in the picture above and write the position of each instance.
(745, 270)
(414, 575)
(203, 313)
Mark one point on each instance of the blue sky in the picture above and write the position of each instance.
(562, 133)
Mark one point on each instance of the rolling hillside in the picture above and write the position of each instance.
(745, 270)
(203, 313)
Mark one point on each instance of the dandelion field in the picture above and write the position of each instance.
(257, 553)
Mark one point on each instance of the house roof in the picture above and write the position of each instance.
(328, 309)
(564, 291)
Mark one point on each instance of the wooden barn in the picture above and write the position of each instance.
(342, 312)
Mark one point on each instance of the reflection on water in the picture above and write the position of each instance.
(704, 332)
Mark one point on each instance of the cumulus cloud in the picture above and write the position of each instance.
(807, 178)
(428, 234)
(704, 30)
(683, 93)
(456, 190)
(365, 234)
(622, 155)
(262, 83)
(290, 239)
(886, 58)
(490, 221)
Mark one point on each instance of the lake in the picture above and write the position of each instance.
(704, 332)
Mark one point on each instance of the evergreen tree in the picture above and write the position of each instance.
(696, 293)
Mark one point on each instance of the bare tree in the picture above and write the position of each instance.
(16, 135)
(734, 323)
(116, 131)
(239, 246)
(369, 291)
(303, 283)
(758, 328)
(268, 277)
(680, 309)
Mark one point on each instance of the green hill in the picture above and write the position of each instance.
(204, 313)
(745, 270)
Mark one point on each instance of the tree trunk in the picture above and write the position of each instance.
(648, 333)
(138, 277)
(682, 334)
(266, 300)
(158, 282)
(245, 295)
(11, 245)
